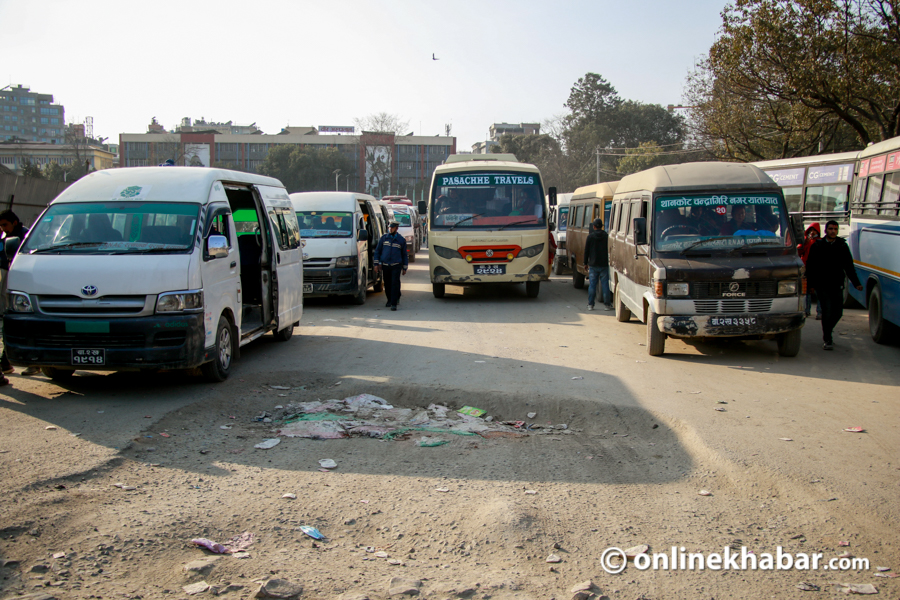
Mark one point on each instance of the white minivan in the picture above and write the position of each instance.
(155, 268)
(407, 218)
(340, 231)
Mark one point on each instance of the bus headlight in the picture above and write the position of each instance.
(20, 303)
(189, 301)
(787, 287)
(677, 289)
(531, 251)
(446, 252)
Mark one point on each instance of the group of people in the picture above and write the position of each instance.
(704, 221)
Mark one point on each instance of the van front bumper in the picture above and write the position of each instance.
(157, 341)
(730, 325)
(330, 282)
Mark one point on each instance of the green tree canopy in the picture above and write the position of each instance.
(305, 169)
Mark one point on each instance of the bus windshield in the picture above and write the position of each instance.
(318, 224)
(726, 221)
(114, 228)
(488, 200)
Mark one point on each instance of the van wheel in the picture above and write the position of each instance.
(557, 266)
(532, 288)
(378, 284)
(219, 368)
(285, 334)
(623, 315)
(360, 296)
(57, 374)
(656, 339)
(789, 343)
(879, 329)
(438, 289)
(412, 257)
(577, 278)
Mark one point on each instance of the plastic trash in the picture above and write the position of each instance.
(210, 545)
(442, 489)
(635, 550)
(807, 587)
(531, 415)
(279, 387)
(165, 434)
(891, 575)
(579, 377)
(843, 543)
(856, 588)
(327, 463)
(224, 426)
(312, 532)
(704, 493)
(530, 492)
(241, 554)
(269, 443)
(430, 442)
(122, 486)
(289, 496)
(855, 430)
(553, 558)
(786, 439)
(381, 554)
(471, 410)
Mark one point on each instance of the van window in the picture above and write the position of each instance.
(635, 212)
(246, 221)
(284, 228)
(577, 221)
(586, 216)
(219, 226)
(329, 224)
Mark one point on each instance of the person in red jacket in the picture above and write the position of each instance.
(813, 232)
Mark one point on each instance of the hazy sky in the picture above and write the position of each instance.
(328, 62)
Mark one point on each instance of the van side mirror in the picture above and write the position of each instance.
(797, 228)
(423, 207)
(216, 246)
(552, 193)
(362, 235)
(640, 231)
(552, 226)
(11, 246)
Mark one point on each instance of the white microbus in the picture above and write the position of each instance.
(488, 223)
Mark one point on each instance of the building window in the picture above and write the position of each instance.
(44, 120)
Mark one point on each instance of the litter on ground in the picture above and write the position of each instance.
(269, 443)
(855, 430)
(327, 463)
(312, 532)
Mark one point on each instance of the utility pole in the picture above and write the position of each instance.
(337, 173)
(597, 151)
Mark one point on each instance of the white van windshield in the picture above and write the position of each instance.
(325, 224)
(725, 221)
(115, 228)
(563, 218)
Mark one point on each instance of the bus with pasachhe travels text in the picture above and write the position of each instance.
(874, 237)
(488, 222)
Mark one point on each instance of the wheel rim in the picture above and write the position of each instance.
(225, 348)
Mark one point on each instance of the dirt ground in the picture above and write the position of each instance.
(477, 517)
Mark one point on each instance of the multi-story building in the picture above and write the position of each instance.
(31, 117)
(202, 125)
(403, 161)
(15, 155)
(499, 129)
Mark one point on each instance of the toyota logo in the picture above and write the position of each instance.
(489, 253)
(89, 290)
(734, 287)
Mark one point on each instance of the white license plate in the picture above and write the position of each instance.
(88, 357)
(490, 269)
(732, 321)
(307, 288)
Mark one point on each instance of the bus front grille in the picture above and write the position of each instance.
(718, 307)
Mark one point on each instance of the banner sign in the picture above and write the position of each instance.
(786, 177)
(830, 174)
(722, 200)
(472, 179)
(336, 129)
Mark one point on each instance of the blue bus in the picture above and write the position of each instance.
(875, 236)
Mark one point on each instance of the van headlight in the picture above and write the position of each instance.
(787, 287)
(188, 301)
(20, 302)
(445, 252)
(345, 261)
(531, 251)
(677, 289)
(409, 239)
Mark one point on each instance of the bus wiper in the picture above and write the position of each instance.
(723, 237)
(66, 246)
(514, 223)
(464, 220)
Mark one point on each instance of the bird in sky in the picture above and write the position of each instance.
(433, 57)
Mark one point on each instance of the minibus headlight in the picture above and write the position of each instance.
(678, 289)
(20, 303)
(345, 261)
(531, 251)
(787, 287)
(446, 252)
(190, 301)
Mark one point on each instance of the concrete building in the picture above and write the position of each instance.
(31, 117)
(499, 129)
(202, 125)
(15, 155)
(409, 160)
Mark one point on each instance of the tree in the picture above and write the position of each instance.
(382, 123)
(541, 150)
(305, 169)
(29, 169)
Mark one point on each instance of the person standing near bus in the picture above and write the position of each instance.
(828, 261)
(11, 227)
(392, 258)
(813, 233)
(596, 260)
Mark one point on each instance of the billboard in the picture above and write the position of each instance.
(196, 155)
(336, 129)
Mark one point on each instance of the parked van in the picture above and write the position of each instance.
(155, 268)
(406, 217)
(337, 228)
(559, 215)
(588, 203)
(702, 250)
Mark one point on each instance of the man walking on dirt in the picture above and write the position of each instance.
(829, 260)
(596, 260)
(391, 257)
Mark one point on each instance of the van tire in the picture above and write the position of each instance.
(656, 339)
(219, 367)
(557, 266)
(284, 334)
(532, 288)
(577, 278)
(412, 257)
(360, 297)
(57, 374)
(623, 315)
(789, 343)
(438, 289)
(378, 284)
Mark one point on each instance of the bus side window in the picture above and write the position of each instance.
(891, 201)
(873, 194)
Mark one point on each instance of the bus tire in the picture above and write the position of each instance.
(360, 297)
(879, 329)
(57, 374)
(656, 339)
(532, 288)
(623, 315)
(438, 289)
(789, 343)
(284, 334)
(557, 266)
(577, 278)
(219, 367)
(412, 257)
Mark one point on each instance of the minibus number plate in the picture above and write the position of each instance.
(307, 288)
(490, 269)
(732, 321)
(88, 356)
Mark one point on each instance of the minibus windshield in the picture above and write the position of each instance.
(563, 218)
(488, 200)
(115, 227)
(325, 224)
(725, 222)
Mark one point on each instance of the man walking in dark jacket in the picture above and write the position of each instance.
(596, 260)
(392, 259)
(828, 261)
